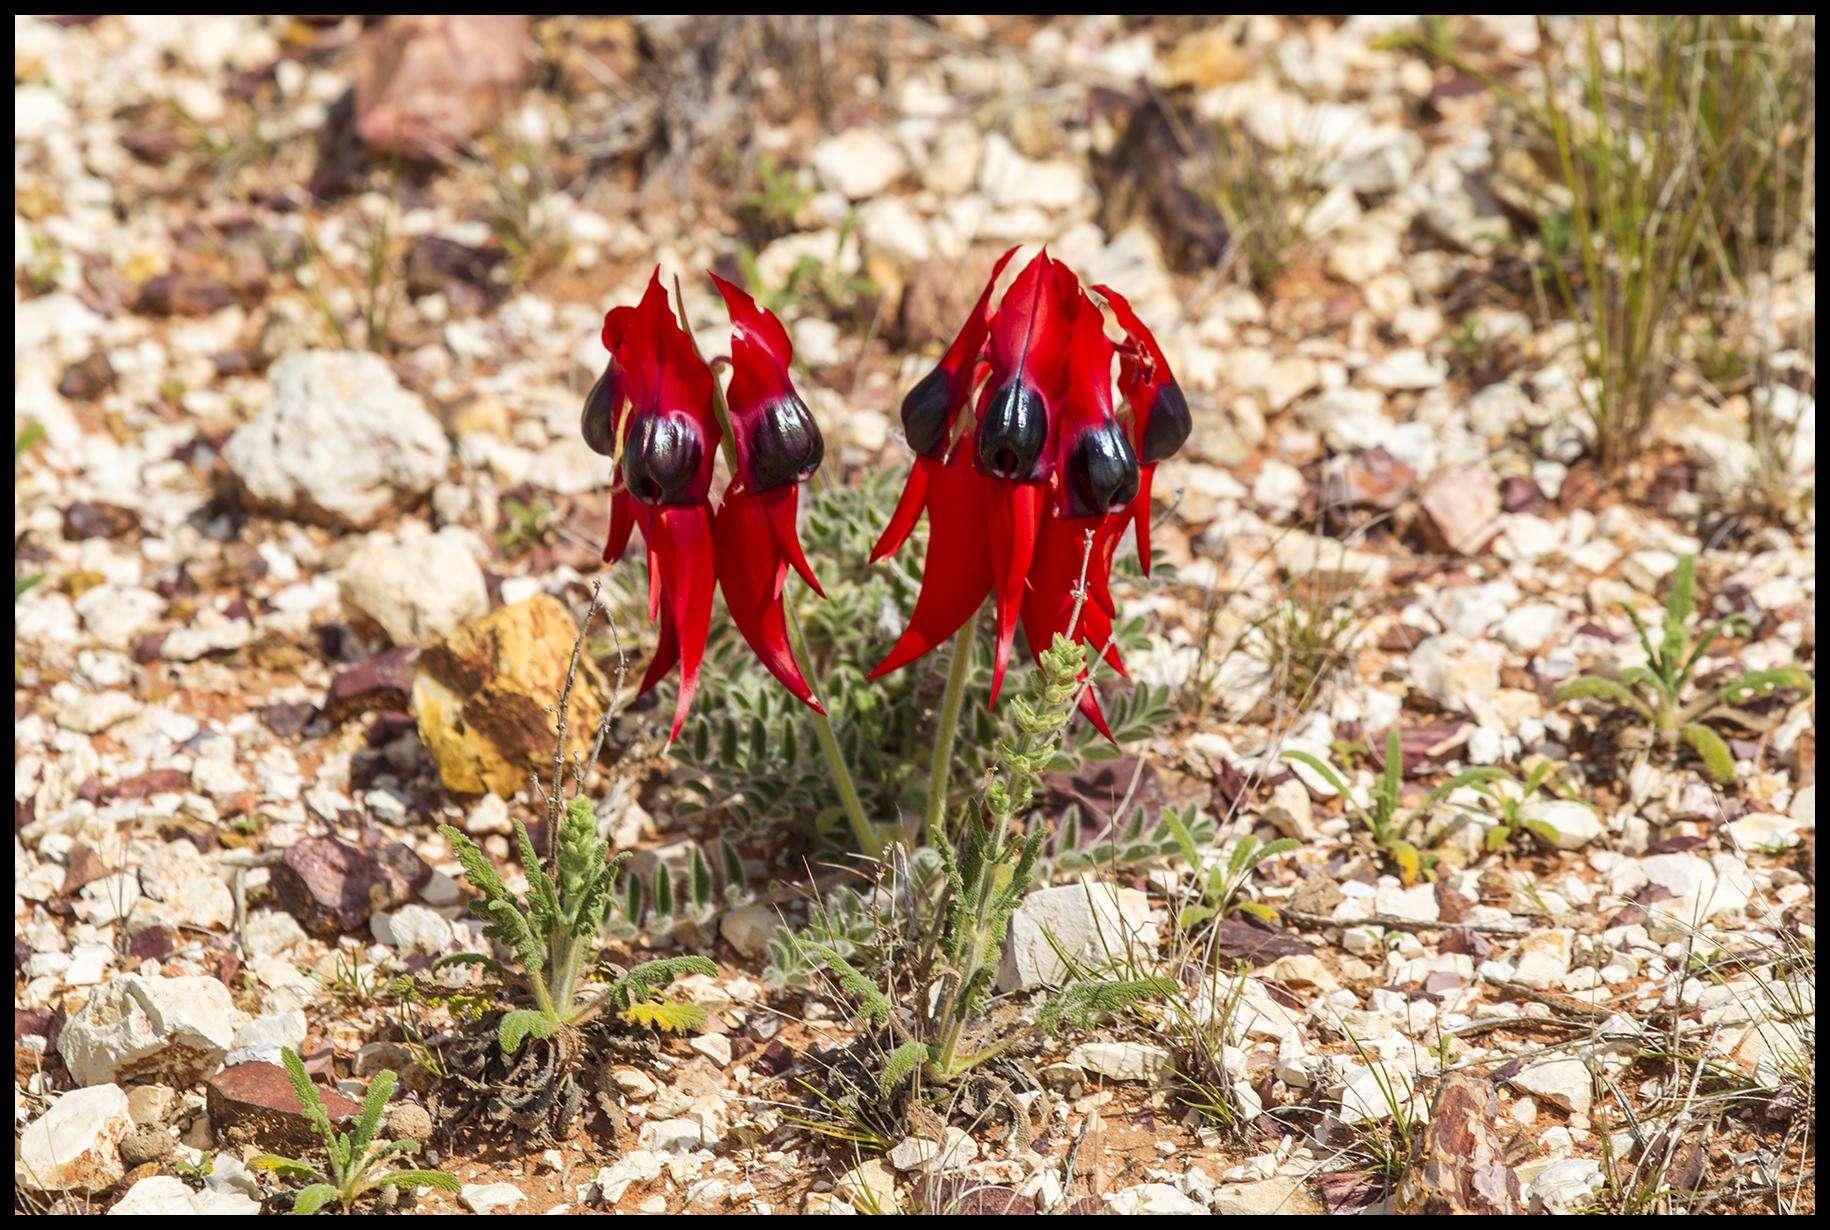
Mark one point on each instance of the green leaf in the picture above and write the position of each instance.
(311, 1199)
(1710, 749)
(1328, 774)
(1543, 831)
(1080, 1002)
(1753, 684)
(902, 1061)
(517, 1025)
(650, 976)
(873, 1004)
(374, 1103)
(1594, 687)
(1257, 909)
(1680, 602)
(310, 1104)
(435, 1179)
(289, 1167)
(1185, 838)
(666, 1016)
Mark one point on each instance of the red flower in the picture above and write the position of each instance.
(1160, 422)
(1031, 511)
(778, 447)
(653, 412)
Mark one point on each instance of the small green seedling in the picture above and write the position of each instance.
(555, 932)
(1661, 693)
(1385, 820)
(1504, 800)
(1223, 892)
(354, 1160)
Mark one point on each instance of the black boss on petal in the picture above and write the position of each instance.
(924, 414)
(1014, 432)
(1102, 472)
(1169, 424)
(661, 457)
(785, 446)
(595, 422)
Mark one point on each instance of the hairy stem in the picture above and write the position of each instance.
(863, 831)
(940, 773)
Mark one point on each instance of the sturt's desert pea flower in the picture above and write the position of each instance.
(653, 413)
(1027, 503)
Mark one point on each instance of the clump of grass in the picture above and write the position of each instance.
(779, 194)
(1650, 124)
(355, 1162)
(375, 287)
(1309, 636)
(1266, 196)
(1391, 826)
(521, 178)
(1662, 694)
(526, 524)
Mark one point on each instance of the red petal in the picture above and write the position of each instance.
(781, 504)
(664, 375)
(1015, 519)
(908, 509)
(1140, 509)
(616, 323)
(751, 574)
(1029, 335)
(760, 350)
(666, 654)
(622, 521)
(1089, 705)
(956, 575)
(961, 360)
(682, 548)
(1049, 606)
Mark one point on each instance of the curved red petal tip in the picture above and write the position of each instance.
(683, 548)
(622, 522)
(1015, 521)
(1089, 705)
(751, 573)
(782, 504)
(1136, 330)
(754, 325)
(616, 324)
(1141, 514)
(666, 654)
(908, 510)
(956, 575)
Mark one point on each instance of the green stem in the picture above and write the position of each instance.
(865, 833)
(862, 830)
(940, 773)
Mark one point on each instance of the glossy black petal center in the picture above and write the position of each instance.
(595, 421)
(924, 414)
(1014, 432)
(1168, 426)
(1102, 472)
(785, 445)
(661, 457)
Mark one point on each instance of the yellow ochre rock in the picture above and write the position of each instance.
(482, 696)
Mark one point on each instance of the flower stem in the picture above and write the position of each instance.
(940, 773)
(869, 843)
(863, 831)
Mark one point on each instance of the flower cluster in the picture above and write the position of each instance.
(1027, 501)
(655, 414)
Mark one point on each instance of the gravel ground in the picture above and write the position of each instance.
(299, 381)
